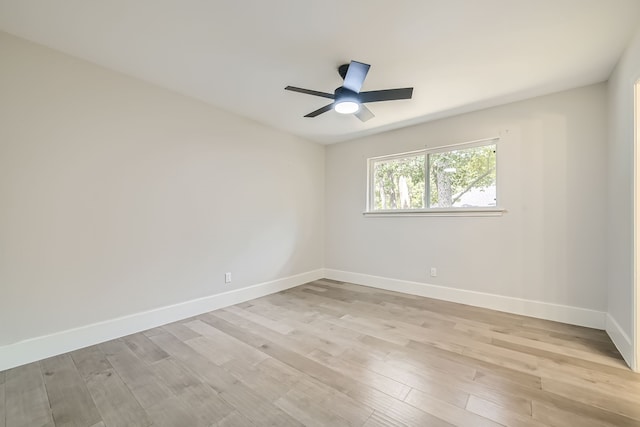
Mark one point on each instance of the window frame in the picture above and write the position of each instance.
(428, 211)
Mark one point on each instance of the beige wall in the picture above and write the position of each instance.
(549, 246)
(620, 188)
(117, 196)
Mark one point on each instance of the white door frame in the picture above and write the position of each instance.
(636, 227)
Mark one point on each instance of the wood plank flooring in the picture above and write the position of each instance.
(333, 354)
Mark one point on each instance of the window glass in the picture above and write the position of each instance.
(398, 183)
(463, 178)
(460, 176)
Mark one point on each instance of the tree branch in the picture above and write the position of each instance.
(475, 181)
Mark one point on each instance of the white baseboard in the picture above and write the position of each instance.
(621, 340)
(38, 348)
(539, 309)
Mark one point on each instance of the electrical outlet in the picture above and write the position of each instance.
(227, 277)
(434, 272)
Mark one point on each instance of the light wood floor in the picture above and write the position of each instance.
(330, 354)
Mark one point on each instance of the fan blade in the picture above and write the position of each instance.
(320, 110)
(356, 74)
(386, 95)
(364, 114)
(310, 92)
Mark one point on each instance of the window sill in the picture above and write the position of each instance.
(494, 211)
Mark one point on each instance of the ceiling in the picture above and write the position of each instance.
(459, 55)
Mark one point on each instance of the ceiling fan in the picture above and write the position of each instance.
(348, 99)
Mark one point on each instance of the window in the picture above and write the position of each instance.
(446, 178)
(398, 182)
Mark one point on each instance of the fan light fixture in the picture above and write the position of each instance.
(346, 107)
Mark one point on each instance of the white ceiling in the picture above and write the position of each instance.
(459, 55)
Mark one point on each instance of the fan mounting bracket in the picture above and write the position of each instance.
(342, 70)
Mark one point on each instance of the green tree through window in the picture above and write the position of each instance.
(453, 174)
(460, 177)
(399, 183)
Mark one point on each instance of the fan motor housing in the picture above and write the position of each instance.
(342, 94)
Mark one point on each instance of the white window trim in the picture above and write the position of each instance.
(469, 212)
(492, 211)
